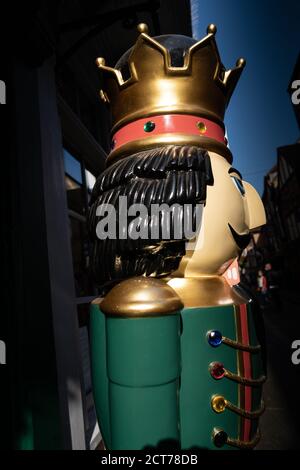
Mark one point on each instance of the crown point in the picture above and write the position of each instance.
(100, 61)
(142, 28)
(211, 29)
(240, 62)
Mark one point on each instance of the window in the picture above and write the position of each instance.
(79, 183)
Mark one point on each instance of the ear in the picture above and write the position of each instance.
(255, 211)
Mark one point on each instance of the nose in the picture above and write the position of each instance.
(255, 211)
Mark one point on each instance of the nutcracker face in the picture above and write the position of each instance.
(186, 176)
(232, 209)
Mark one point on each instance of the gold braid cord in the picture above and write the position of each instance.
(243, 347)
(244, 444)
(235, 442)
(246, 414)
(219, 404)
(242, 380)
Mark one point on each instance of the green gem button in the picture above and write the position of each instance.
(202, 127)
(149, 126)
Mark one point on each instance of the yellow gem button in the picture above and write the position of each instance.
(202, 127)
(218, 403)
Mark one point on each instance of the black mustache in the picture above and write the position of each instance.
(241, 240)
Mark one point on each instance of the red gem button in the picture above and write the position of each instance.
(217, 370)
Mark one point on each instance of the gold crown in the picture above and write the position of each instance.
(200, 87)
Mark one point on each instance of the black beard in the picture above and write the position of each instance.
(170, 175)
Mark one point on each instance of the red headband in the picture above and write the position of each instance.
(168, 124)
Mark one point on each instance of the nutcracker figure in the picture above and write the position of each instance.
(176, 351)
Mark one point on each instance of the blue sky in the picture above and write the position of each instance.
(260, 116)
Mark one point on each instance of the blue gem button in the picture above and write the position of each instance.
(214, 338)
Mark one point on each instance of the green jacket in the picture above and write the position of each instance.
(187, 378)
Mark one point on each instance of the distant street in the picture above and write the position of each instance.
(280, 424)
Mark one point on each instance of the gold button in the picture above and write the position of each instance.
(218, 403)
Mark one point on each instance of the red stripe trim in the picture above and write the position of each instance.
(169, 124)
(247, 369)
(241, 390)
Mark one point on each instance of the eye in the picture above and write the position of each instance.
(238, 184)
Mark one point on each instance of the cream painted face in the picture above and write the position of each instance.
(215, 246)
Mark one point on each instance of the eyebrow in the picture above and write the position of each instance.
(233, 170)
